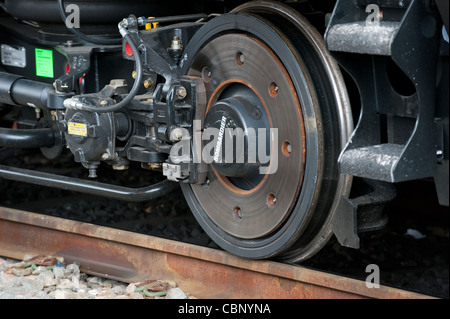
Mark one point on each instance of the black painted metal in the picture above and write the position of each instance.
(15, 89)
(27, 138)
(395, 139)
(89, 187)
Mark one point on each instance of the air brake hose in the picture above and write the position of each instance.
(77, 105)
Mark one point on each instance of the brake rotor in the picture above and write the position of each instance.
(263, 56)
(232, 62)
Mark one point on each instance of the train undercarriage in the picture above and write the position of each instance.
(283, 122)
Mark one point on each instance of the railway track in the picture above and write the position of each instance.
(204, 272)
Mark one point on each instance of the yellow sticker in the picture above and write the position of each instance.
(77, 129)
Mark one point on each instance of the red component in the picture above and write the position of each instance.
(128, 50)
(67, 68)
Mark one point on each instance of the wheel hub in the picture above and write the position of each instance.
(240, 122)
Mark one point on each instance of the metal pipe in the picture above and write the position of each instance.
(15, 89)
(27, 138)
(89, 187)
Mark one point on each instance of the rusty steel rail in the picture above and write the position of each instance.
(203, 272)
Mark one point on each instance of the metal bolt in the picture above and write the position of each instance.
(181, 92)
(176, 43)
(92, 171)
(103, 103)
(176, 134)
(148, 83)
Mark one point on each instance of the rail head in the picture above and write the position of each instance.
(131, 257)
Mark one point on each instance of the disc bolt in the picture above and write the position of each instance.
(271, 200)
(237, 213)
(240, 59)
(273, 89)
(286, 149)
(206, 74)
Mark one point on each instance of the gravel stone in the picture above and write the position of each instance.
(176, 293)
(47, 278)
(38, 270)
(73, 269)
(131, 288)
(22, 271)
(58, 272)
(20, 282)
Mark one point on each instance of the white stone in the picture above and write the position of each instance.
(176, 293)
(93, 292)
(131, 288)
(47, 278)
(39, 269)
(59, 272)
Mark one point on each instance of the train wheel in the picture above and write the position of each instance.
(264, 66)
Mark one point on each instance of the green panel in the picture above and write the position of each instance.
(44, 63)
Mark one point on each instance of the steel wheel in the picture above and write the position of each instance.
(264, 67)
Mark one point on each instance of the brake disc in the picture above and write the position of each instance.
(233, 63)
(284, 210)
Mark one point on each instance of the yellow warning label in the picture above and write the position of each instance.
(77, 129)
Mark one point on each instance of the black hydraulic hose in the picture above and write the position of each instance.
(27, 138)
(87, 38)
(74, 104)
